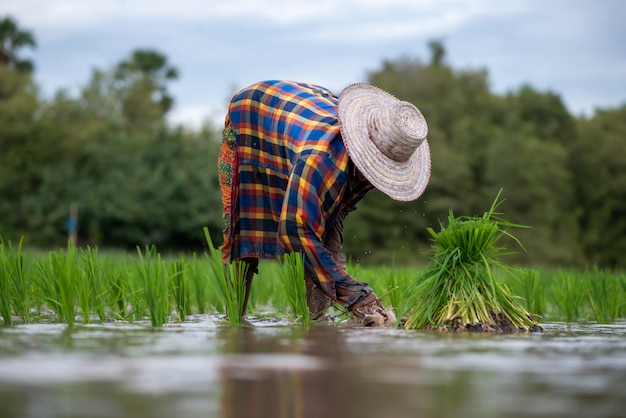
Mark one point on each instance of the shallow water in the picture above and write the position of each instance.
(202, 368)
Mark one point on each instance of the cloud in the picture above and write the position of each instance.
(574, 47)
(370, 18)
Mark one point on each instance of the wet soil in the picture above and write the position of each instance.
(501, 324)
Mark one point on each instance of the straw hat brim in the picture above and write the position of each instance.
(403, 181)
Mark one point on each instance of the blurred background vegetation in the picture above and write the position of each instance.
(137, 179)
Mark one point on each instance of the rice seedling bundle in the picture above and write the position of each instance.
(457, 291)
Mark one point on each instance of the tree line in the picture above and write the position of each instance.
(137, 179)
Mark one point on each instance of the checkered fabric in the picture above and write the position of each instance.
(292, 187)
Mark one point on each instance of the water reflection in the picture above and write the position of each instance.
(297, 377)
(204, 369)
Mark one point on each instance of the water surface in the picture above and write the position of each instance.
(202, 368)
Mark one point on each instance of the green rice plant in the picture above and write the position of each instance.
(57, 282)
(132, 279)
(267, 291)
(20, 286)
(458, 289)
(93, 291)
(155, 285)
(83, 296)
(5, 286)
(117, 292)
(605, 295)
(389, 283)
(528, 285)
(231, 282)
(197, 274)
(568, 294)
(294, 287)
(622, 281)
(180, 289)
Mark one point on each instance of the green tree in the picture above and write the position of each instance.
(545, 112)
(537, 191)
(143, 79)
(462, 116)
(598, 164)
(19, 104)
(12, 40)
(144, 188)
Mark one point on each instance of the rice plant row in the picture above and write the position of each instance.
(83, 285)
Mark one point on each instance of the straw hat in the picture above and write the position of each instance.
(386, 139)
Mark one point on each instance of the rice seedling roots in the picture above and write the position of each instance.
(501, 325)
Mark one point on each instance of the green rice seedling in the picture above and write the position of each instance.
(46, 286)
(136, 308)
(180, 289)
(568, 295)
(604, 292)
(268, 291)
(94, 289)
(231, 282)
(294, 287)
(622, 281)
(458, 290)
(117, 292)
(155, 285)
(18, 286)
(197, 273)
(527, 284)
(57, 281)
(5, 286)
(389, 283)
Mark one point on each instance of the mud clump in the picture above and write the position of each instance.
(499, 324)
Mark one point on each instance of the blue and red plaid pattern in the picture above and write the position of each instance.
(292, 179)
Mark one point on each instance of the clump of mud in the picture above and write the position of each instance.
(501, 324)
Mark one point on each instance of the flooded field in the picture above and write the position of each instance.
(203, 368)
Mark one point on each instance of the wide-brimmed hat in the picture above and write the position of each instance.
(386, 139)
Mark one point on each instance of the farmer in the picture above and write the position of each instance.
(295, 160)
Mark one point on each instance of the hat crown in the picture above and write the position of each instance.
(397, 129)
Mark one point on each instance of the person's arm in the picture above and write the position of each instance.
(302, 222)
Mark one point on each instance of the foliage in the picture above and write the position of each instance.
(142, 78)
(231, 282)
(294, 287)
(114, 286)
(459, 289)
(12, 39)
(139, 180)
(599, 186)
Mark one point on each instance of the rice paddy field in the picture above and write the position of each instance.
(85, 333)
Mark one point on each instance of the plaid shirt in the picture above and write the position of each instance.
(294, 187)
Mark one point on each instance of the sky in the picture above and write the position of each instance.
(574, 48)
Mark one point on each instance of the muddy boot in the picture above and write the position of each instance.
(317, 301)
(368, 312)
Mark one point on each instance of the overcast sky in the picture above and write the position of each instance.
(575, 48)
